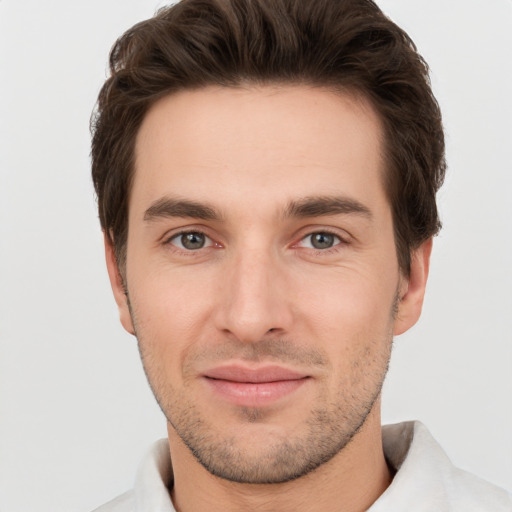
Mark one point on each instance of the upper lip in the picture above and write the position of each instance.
(269, 373)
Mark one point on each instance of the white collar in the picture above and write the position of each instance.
(425, 481)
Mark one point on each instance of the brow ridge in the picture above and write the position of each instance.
(317, 206)
(168, 207)
(314, 206)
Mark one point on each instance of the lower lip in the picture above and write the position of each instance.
(250, 394)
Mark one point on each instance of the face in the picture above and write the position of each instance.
(262, 277)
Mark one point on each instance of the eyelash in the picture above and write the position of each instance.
(190, 252)
(335, 246)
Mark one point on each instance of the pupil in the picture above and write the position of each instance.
(192, 240)
(322, 240)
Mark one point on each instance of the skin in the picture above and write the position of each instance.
(259, 175)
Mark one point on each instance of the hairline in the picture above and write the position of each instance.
(357, 94)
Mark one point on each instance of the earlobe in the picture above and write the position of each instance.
(118, 287)
(412, 289)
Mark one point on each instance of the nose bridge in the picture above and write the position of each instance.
(255, 299)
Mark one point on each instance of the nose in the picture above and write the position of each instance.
(255, 298)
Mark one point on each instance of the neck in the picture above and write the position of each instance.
(350, 482)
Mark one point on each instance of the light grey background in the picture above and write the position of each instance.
(76, 414)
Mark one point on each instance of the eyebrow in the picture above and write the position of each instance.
(168, 207)
(318, 206)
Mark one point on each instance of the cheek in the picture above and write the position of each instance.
(171, 311)
(166, 297)
(351, 317)
(355, 327)
(349, 301)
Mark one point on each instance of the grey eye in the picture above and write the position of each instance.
(190, 241)
(323, 240)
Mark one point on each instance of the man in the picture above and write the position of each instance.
(266, 173)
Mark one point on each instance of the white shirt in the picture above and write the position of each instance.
(425, 481)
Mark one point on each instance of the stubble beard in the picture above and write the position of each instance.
(327, 430)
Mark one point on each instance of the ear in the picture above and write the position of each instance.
(412, 289)
(116, 281)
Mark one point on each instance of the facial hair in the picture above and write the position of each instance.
(327, 428)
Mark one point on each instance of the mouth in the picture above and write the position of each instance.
(253, 387)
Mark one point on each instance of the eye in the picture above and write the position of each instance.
(320, 240)
(191, 241)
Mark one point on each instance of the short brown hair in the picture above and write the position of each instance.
(346, 45)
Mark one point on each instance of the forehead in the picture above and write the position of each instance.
(273, 143)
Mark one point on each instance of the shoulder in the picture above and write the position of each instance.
(151, 487)
(469, 493)
(427, 480)
(123, 503)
